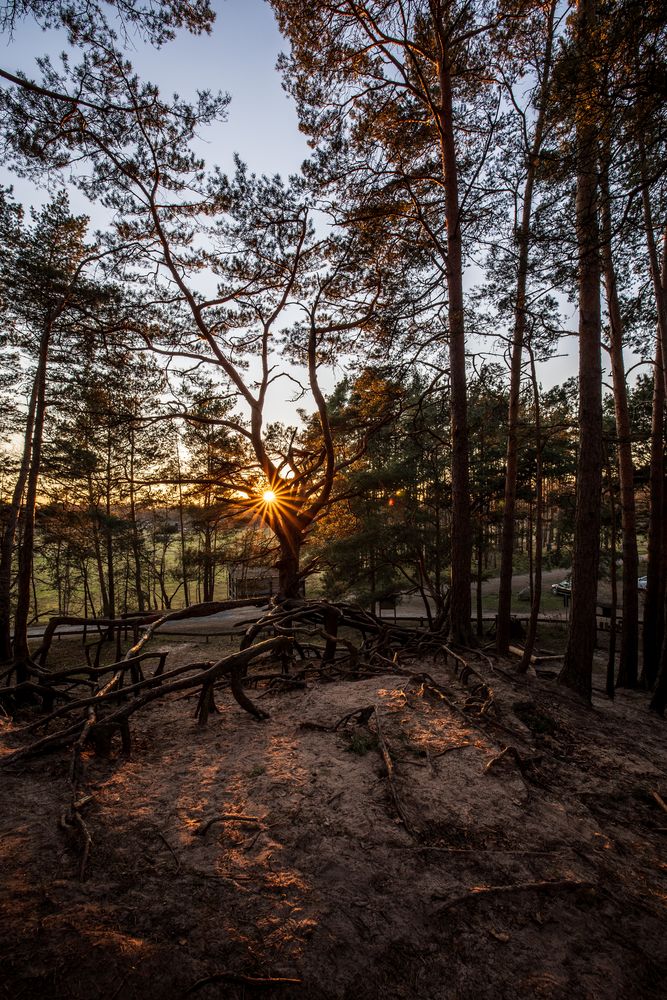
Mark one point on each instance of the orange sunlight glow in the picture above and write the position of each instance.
(268, 496)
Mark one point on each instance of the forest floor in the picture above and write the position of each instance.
(467, 875)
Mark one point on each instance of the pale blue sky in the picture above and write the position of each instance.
(238, 58)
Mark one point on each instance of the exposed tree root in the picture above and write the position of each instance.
(659, 799)
(511, 753)
(389, 767)
(86, 728)
(236, 979)
(202, 830)
(479, 891)
(347, 641)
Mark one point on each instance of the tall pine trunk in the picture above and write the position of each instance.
(97, 546)
(659, 699)
(9, 534)
(461, 546)
(27, 542)
(536, 594)
(108, 535)
(655, 574)
(629, 660)
(518, 337)
(577, 671)
(181, 527)
(135, 539)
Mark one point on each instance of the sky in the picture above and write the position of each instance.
(239, 58)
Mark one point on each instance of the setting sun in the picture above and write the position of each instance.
(268, 496)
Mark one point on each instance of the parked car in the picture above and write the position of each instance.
(562, 589)
(642, 583)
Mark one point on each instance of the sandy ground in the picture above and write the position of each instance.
(483, 877)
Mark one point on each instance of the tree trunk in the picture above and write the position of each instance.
(577, 668)
(659, 699)
(656, 577)
(181, 525)
(512, 458)
(480, 575)
(629, 659)
(136, 543)
(460, 608)
(97, 546)
(108, 532)
(611, 659)
(208, 574)
(9, 534)
(536, 593)
(289, 579)
(27, 545)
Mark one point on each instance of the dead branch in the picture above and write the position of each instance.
(659, 799)
(476, 892)
(360, 716)
(203, 829)
(236, 979)
(511, 753)
(73, 819)
(169, 847)
(389, 767)
(457, 746)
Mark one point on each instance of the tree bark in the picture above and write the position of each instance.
(536, 596)
(21, 651)
(577, 668)
(108, 536)
(654, 599)
(611, 659)
(95, 530)
(289, 579)
(136, 543)
(629, 657)
(656, 584)
(9, 534)
(460, 607)
(518, 337)
(659, 699)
